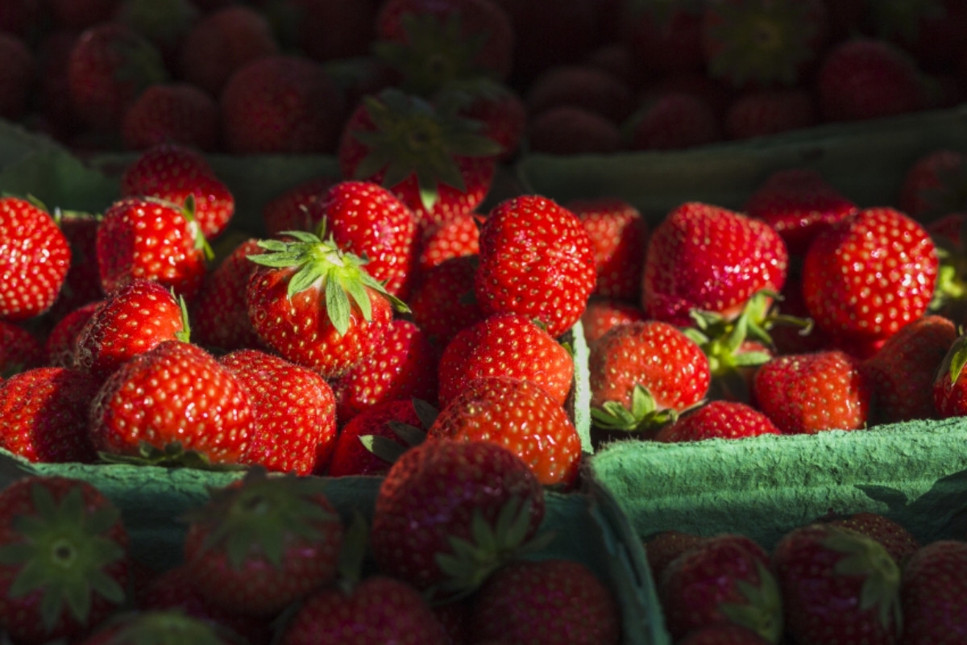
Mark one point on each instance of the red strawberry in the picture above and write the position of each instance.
(289, 210)
(443, 493)
(263, 543)
(580, 85)
(35, 256)
(601, 314)
(499, 108)
(20, 349)
(809, 393)
(933, 185)
(934, 594)
(838, 586)
(726, 577)
(177, 112)
(294, 409)
(130, 321)
(865, 78)
(712, 259)
(722, 634)
(174, 398)
(903, 370)
(315, 304)
(536, 260)
(950, 382)
(718, 419)
(457, 236)
(764, 112)
(672, 120)
(664, 39)
(505, 345)
(869, 274)
(61, 344)
(552, 601)
(43, 414)
(379, 609)
(63, 559)
(82, 283)
(662, 548)
(443, 301)
(619, 236)
(281, 104)
(643, 374)
(520, 416)
(438, 163)
(896, 539)
(571, 130)
(351, 454)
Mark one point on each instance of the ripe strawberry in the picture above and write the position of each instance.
(351, 454)
(174, 398)
(63, 559)
(869, 274)
(949, 234)
(457, 236)
(130, 321)
(662, 548)
(643, 374)
(571, 130)
(864, 78)
(520, 416)
(505, 345)
(155, 625)
(174, 171)
(20, 349)
(764, 112)
(903, 370)
(712, 259)
(809, 393)
(664, 40)
(177, 112)
(289, 211)
(536, 260)
(580, 85)
(35, 257)
(601, 314)
(61, 343)
(672, 120)
(262, 543)
(82, 283)
(619, 237)
(443, 301)
(933, 594)
(43, 414)
(369, 221)
(444, 500)
(551, 601)
(315, 304)
(726, 577)
(933, 185)
(895, 538)
(722, 634)
(501, 110)
(797, 203)
(718, 419)
(294, 409)
(950, 382)
(109, 66)
(379, 609)
(281, 104)
(838, 586)
(438, 163)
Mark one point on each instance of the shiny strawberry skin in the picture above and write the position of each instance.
(82, 283)
(61, 343)
(457, 236)
(619, 235)
(601, 314)
(20, 349)
(718, 419)
(351, 457)
(443, 301)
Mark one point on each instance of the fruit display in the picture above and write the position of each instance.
(463, 315)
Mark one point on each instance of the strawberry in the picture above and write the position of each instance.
(601, 314)
(109, 66)
(443, 301)
(433, 45)
(178, 112)
(643, 374)
(20, 349)
(146, 238)
(536, 260)
(290, 210)
(520, 416)
(82, 283)
(726, 577)
(174, 401)
(174, 171)
(437, 162)
(443, 501)
(709, 258)
(403, 366)
(262, 543)
(294, 409)
(662, 548)
(812, 392)
(61, 343)
(760, 43)
(223, 41)
(672, 120)
(552, 601)
(902, 371)
(281, 104)
(797, 203)
(580, 85)
(722, 634)
(500, 108)
(352, 454)
(950, 382)
(505, 345)
(764, 112)
(457, 236)
(35, 256)
(718, 419)
(869, 274)
(158, 625)
(838, 586)
(327, 30)
(315, 304)
(571, 130)
(43, 414)
(949, 234)
(895, 538)
(619, 236)
(933, 594)
(933, 185)
(369, 221)
(664, 39)
(864, 78)
(63, 559)
(379, 609)
(130, 321)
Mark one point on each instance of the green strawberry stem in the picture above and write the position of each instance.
(762, 611)
(167, 627)
(642, 416)
(173, 455)
(867, 558)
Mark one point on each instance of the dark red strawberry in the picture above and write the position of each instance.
(443, 300)
(722, 634)
(672, 120)
(601, 314)
(950, 382)
(571, 130)
(454, 237)
(718, 419)
(663, 547)
(82, 283)
(580, 85)
(61, 344)
(20, 349)
(933, 185)
(933, 594)
(764, 112)
(178, 112)
(353, 453)
(895, 538)
(619, 236)
(290, 210)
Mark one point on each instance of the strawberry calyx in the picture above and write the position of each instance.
(642, 416)
(63, 555)
(413, 137)
(956, 359)
(410, 435)
(322, 264)
(172, 455)
(762, 611)
(866, 558)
